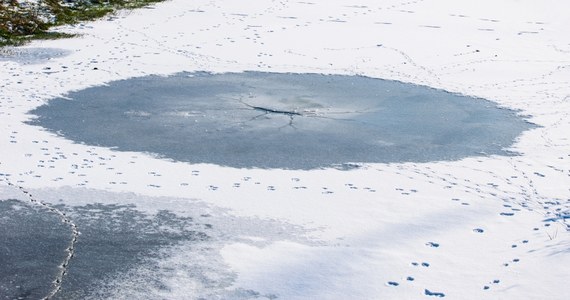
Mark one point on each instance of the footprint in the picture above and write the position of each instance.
(495, 281)
(432, 244)
(423, 264)
(434, 294)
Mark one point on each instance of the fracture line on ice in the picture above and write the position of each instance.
(74, 235)
(296, 113)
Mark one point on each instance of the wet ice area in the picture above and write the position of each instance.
(125, 241)
(282, 120)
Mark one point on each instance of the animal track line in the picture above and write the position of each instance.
(70, 249)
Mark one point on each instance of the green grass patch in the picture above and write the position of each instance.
(19, 25)
(45, 35)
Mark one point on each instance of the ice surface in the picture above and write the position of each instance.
(321, 233)
(127, 250)
(32, 248)
(30, 55)
(287, 121)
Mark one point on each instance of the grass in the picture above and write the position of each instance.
(19, 25)
(47, 35)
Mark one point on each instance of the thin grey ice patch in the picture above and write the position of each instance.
(282, 120)
(126, 250)
(30, 55)
(33, 244)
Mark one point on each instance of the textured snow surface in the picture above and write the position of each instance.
(482, 227)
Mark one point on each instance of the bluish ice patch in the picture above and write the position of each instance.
(30, 55)
(32, 248)
(123, 251)
(116, 238)
(282, 120)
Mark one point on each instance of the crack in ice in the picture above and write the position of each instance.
(296, 113)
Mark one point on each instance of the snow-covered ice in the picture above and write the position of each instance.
(490, 226)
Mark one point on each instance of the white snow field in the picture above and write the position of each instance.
(487, 227)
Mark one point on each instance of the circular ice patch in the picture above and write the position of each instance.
(282, 120)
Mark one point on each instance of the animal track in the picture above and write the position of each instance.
(434, 294)
(432, 244)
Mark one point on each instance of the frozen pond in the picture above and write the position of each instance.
(282, 120)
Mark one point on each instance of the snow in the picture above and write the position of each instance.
(362, 228)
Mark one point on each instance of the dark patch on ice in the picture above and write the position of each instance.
(32, 247)
(276, 120)
(116, 238)
(124, 252)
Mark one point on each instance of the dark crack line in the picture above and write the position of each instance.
(292, 114)
(290, 124)
(275, 111)
(267, 111)
(70, 249)
(271, 110)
